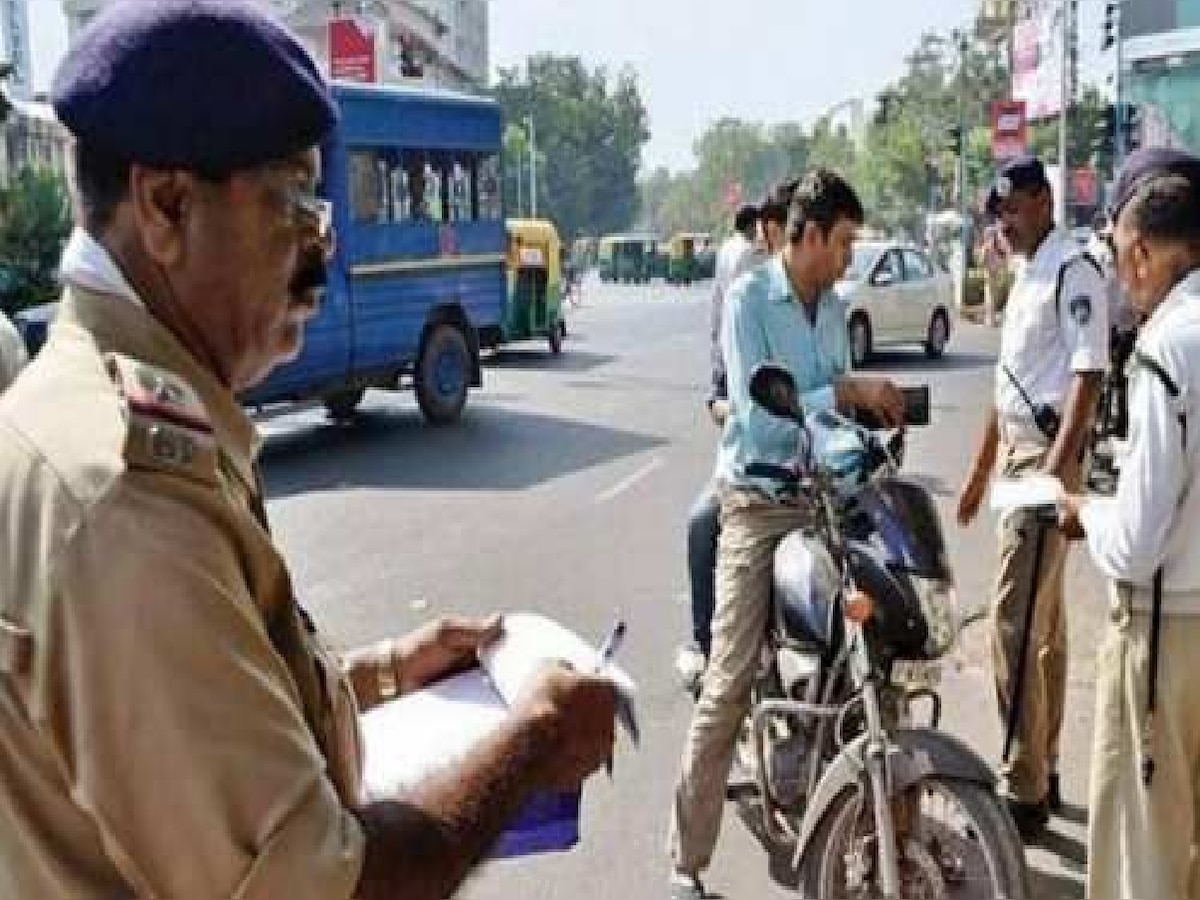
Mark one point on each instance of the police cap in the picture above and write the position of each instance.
(210, 86)
(1145, 164)
(1020, 172)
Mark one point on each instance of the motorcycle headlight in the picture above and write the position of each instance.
(940, 609)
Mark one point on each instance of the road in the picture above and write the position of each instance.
(565, 490)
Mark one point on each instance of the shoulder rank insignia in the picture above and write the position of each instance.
(170, 427)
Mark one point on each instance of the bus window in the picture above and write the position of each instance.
(434, 193)
(460, 190)
(491, 208)
(367, 201)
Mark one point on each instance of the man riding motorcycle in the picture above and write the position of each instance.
(783, 311)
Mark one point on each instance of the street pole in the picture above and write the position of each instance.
(1060, 212)
(1119, 120)
(532, 168)
(520, 166)
(964, 255)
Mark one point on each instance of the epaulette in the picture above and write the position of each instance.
(169, 428)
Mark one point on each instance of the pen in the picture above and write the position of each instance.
(608, 650)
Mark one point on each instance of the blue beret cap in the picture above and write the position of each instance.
(1146, 163)
(211, 86)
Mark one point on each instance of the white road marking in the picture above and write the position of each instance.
(626, 483)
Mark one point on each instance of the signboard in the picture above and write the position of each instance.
(1010, 136)
(1038, 58)
(352, 50)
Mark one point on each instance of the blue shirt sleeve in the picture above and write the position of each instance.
(744, 340)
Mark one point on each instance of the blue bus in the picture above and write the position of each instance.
(417, 286)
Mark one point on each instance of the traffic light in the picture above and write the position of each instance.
(1112, 24)
(5, 104)
(1131, 125)
(410, 64)
(954, 135)
(1103, 138)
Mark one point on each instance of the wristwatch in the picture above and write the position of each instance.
(387, 672)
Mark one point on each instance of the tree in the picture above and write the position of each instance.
(590, 129)
(35, 220)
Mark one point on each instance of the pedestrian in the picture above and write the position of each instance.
(1144, 793)
(13, 356)
(1053, 352)
(995, 259)
(784, 311)
(171, 723)
(736, 256)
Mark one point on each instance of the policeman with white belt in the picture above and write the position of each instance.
(1145, 789)
(1054, 350)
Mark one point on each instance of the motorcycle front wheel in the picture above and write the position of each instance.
(956, 842)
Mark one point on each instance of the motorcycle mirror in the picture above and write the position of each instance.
(774, 389)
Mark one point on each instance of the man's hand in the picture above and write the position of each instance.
(575, 715)
(879, 395)
(971, 498)
(441, 648)
(1068, 516)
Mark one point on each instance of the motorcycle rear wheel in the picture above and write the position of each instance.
(975, 854)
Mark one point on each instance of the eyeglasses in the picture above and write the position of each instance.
(310, 211)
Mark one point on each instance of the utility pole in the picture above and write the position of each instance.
(964, 225)
(1068, 36)
(532, 167)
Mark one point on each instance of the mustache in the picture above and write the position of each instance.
(312, 275)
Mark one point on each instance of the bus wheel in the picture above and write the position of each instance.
(443, 374)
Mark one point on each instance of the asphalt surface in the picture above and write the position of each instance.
(565, 490)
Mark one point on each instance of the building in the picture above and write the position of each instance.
(31, 137)
(15, 49)
(1161, 51)
(447, 39)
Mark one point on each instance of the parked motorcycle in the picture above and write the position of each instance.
(864, 605)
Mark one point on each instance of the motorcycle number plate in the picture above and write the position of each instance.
(917, 673)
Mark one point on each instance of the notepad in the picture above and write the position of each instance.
(421, 734)
(1028, 492)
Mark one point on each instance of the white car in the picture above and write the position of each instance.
(895, 294)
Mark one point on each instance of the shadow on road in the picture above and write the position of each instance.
(917, 362)
(492, 448)
(535, 358)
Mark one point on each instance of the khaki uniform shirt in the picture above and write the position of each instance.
(169, 724)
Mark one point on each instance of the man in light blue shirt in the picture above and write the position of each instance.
(783, 311)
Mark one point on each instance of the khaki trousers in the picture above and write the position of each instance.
(751, 528)
(1142, 841)
(1035, 743)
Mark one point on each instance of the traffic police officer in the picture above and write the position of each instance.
(170, 723)
(1054, 349)
(1145, 796)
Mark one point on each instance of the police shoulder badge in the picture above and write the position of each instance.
(169, 427)
(1081, 309)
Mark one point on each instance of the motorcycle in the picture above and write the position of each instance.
(868, 803)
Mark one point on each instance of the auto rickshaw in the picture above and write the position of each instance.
(534, 307)
(626, 257)
(681, 259)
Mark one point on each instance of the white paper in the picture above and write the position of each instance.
(1029, 492)
(531, 641)
(421, 733)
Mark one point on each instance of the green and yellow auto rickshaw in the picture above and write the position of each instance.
(534, 308)
(626, 257)
(681, 259)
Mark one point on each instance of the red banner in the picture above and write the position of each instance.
(1010, 135)
(352, 55)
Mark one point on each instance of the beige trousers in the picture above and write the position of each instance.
(751, 528)
(1142, 841)
(1035, 744)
